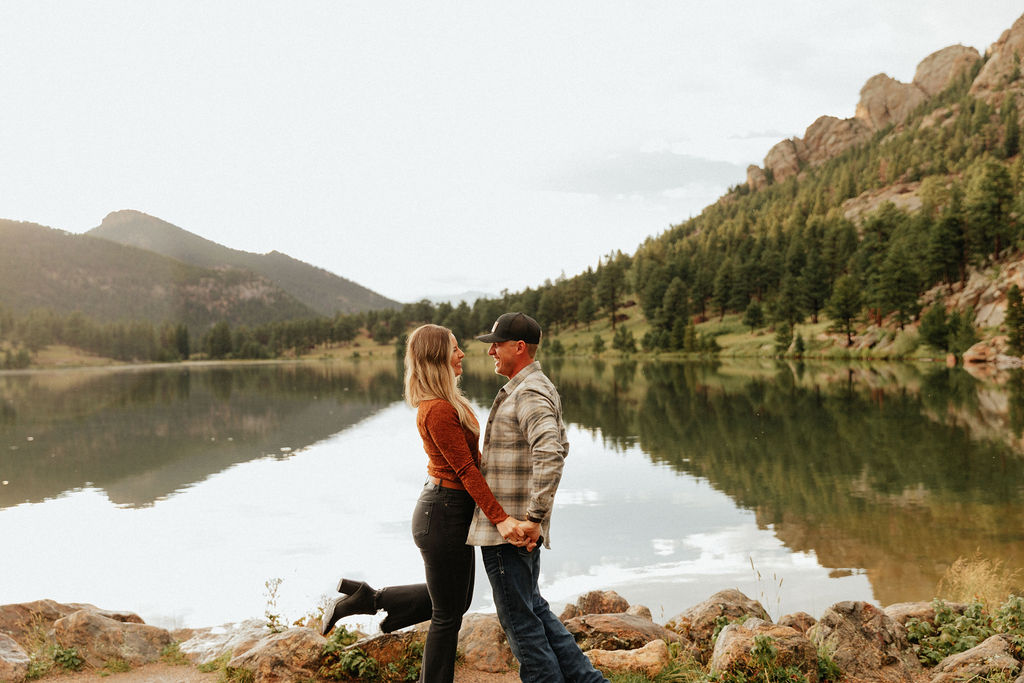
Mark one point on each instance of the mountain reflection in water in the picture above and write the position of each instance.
(884, 473)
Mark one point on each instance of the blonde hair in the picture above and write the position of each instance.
(429, 373)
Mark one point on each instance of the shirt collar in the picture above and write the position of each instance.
(520, 376)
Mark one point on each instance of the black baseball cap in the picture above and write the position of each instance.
(513, 327)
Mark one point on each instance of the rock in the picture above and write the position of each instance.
(801, 621)
(828, 137)
(940, 69)
(602, 602)
(570, 611)
(99, 639)
(904, 196)
(994, 656)
(208, 644)
(291, 655)
(483, 644)
(756, 178)
(922, 611)
(884, 100)
(648, 660)
(866, 644)
(20, 620)
(1000, 67)
(698, 623)
(732, 653)
(390, 647)
(13, 660)
(783, 160)
(616, 631)
(982, 352)
(640, 611)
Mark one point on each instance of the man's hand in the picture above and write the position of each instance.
(519, 533)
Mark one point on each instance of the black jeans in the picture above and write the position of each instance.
(440, 525)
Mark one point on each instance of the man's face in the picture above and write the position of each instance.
(505, 357)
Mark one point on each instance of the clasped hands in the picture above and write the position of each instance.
(519, 533)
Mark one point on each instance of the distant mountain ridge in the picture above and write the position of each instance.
(319, 289)
(44, 268)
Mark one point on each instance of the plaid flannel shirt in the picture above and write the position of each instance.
(523, 453)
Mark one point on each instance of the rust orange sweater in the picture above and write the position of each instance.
(454, 455)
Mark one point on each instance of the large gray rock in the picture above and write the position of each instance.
(291, 655)
(648, 660)
(207, 644)
(994, 656)
(922, 611)
(828, 137)
(866, 644)
(732, 653)
(13, 660)
(99, 639)
(616, 631)
(698, 623)
(783, 159)
(483, 644)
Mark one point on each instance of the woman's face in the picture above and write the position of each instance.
(456, 357)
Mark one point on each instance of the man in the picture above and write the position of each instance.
(523, 452)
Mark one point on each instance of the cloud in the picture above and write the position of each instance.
(641, 173)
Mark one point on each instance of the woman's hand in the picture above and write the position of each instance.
(519, 533)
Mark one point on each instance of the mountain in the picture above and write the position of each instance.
(41, 267)
(320, 290)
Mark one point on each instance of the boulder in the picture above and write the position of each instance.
(940, 69)
(756, 178)
(390, 647)
(866, 643)
(20, 620)
(13, 660)
(922, 611)
(99, 639)
(291, 655)
(783, 160)
(884, 100)
(698, 623)
(616, 631)
(828, 137)
(483, 644)
(206, 645)
(640, 611)
(602, 602)
(993, 656)
(648, 660)
(734, 646)
(801, 621)
(1002, 64)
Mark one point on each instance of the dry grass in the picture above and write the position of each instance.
(978, 578)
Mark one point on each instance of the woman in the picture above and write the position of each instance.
(454, 487)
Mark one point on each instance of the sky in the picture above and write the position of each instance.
(426, 149)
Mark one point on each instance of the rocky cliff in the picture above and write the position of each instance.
(885, 101)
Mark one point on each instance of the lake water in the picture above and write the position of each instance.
(179, 492)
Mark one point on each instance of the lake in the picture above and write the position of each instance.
(180, 492)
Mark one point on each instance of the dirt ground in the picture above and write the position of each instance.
(168, 673)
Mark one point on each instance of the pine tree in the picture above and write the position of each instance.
(1015, 320)
(845, 304)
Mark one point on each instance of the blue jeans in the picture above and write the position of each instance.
(547, 653)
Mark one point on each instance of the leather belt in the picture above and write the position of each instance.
(445, 483)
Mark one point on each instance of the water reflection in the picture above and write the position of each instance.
(143, 434)
(897, 470)
(849, 473)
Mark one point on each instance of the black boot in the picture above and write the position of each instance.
(361, 599)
